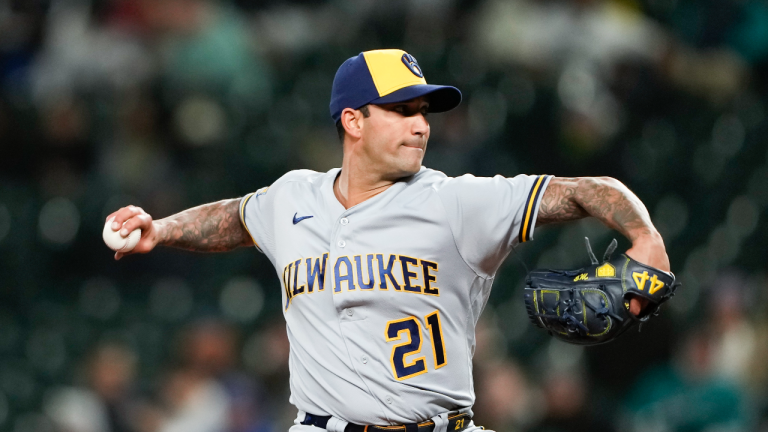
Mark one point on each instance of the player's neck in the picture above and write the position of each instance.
(355, 184)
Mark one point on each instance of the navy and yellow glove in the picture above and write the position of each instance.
(590, 305)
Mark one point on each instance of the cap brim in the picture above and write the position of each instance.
(441, 98)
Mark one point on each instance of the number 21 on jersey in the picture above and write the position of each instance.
(409, 329)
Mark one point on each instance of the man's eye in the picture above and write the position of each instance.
(400, 108)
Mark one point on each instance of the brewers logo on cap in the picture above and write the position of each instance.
(386, 76)
(410, 61)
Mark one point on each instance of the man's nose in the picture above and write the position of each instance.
(420, 125)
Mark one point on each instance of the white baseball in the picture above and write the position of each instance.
(118, 243)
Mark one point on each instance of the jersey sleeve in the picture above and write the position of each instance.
(255, 215)
(490, 215)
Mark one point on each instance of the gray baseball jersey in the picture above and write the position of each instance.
(381, 299)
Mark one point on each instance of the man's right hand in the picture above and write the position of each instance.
(212, 227)
(135, 217)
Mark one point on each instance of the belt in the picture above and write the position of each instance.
(456, 422)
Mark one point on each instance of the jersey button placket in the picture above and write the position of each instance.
(337, 240)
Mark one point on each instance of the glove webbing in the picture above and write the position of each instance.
(571, 322)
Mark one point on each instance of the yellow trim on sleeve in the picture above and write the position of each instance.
(530, 207)
(242, 217)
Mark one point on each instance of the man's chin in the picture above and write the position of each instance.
(410, 170)
(405, 170)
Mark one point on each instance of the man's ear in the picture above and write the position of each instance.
(351, 120)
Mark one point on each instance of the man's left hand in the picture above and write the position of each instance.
(648, 250)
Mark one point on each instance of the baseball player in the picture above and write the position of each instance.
(386, 265)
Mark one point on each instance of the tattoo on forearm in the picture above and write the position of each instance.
(558, 203)
(604, 198)
(213, 227)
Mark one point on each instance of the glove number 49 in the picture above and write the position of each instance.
(409, 329)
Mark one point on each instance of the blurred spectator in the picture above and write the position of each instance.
(504, 399)
(205, 392)
(209, 67)
(502, 396)
(207, 46)
(576, 44)
(590, 50)
(266, 353)
(192, 403)
(734, 338)
(106, 402)
(687, 396)
(570, 407)
(80, 56)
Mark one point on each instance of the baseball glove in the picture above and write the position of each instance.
(590, 305)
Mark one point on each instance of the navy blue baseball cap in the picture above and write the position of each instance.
(386, 76)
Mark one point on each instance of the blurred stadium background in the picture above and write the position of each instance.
(168, 104)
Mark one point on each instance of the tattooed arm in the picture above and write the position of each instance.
(605, 198)
(213, 227)
(613, 204)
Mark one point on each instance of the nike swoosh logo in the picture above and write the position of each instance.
(299, 219)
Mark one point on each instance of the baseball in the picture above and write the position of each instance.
(118, 243)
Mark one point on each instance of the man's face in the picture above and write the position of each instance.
(395, 137)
